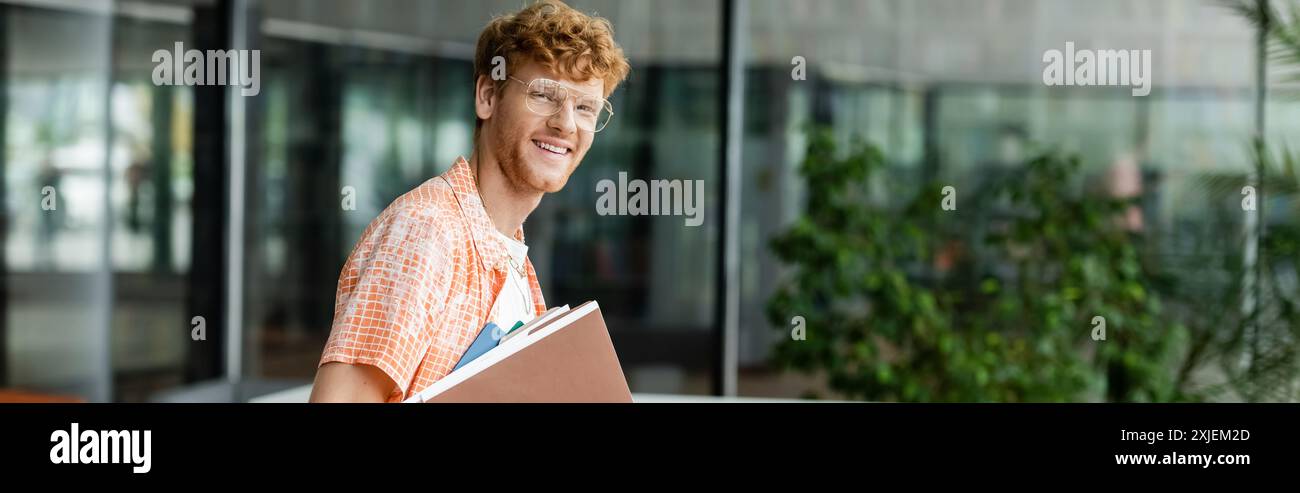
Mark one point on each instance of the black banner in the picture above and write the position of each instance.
(141, 442)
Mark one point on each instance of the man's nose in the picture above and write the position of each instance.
(564, 120)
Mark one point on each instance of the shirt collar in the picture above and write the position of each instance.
(491, 249)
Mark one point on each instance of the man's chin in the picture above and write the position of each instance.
(549, 180)
(551, 185)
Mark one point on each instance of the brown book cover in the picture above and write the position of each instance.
(569, 358)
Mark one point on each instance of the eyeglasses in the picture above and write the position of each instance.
(546, 97)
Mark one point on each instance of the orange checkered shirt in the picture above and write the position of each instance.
(419, 286)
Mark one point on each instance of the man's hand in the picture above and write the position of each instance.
(341, 382)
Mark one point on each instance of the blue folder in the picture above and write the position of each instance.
(488, 338)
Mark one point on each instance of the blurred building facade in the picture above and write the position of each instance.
(178, 202)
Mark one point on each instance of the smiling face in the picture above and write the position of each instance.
(536, 153)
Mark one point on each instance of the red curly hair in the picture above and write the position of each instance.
(563, 40)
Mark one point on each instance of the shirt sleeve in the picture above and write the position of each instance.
(383, 314)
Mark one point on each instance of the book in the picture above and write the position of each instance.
(562, 356)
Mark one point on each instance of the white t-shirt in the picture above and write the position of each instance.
(514, 302)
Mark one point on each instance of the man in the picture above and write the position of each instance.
(448, 257)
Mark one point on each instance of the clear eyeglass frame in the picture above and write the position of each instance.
(546, 97)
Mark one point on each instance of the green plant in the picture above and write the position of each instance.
(1281, 29)
(994, 301)
(903, 303)
(1254, 346)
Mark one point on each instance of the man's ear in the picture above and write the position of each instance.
(485, 97)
